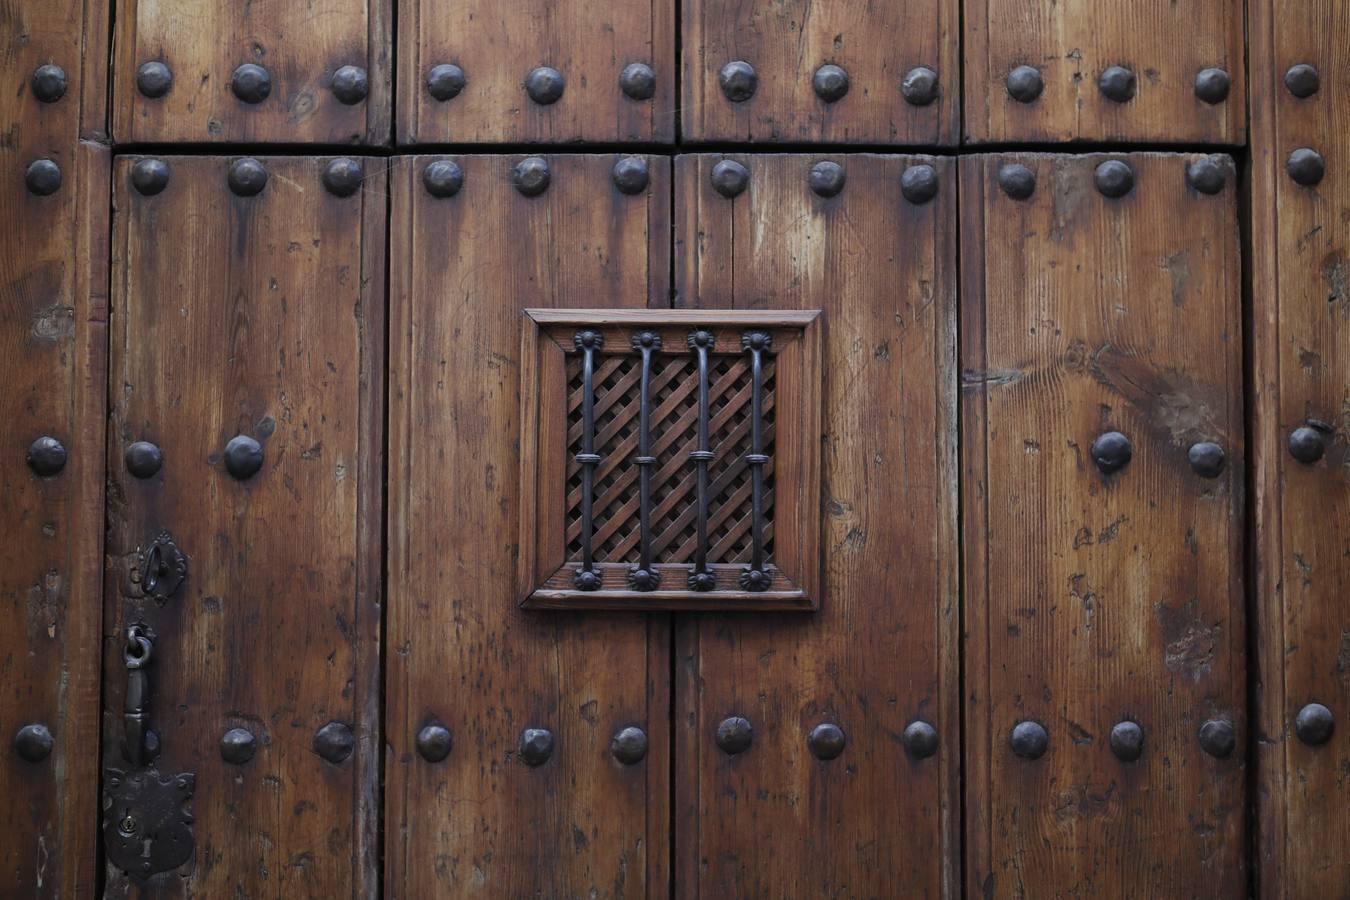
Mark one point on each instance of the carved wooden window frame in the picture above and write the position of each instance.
(548, 579)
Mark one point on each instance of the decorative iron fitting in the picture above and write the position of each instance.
(643, 576)
(163, 568)
(153, 79)
(251, 83)
(536, 746)
(143, 459)
(701, 578)
(588, 342)
(738, 81)
(1025, 84)
(755, 577)
(830, 83)
(638, 81)
(445, 81)
(139, 744)
(920, 87)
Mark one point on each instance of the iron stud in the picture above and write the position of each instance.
(247, 177)
(251, 83)
(33, 743)
(334, 742)
(343, 176)
(1211, 85)
(445, 81)
(536, 746)
(920, 86)
(630, 175)
(1112, 452)
(243, 457)
(49, 83)
(1117, 83)
(350, 85)
(1114, 179)
(1024, 84)
(1314, 724)
(826, 741)
(830, 83)
(434, 742)
(1207, 175)
(443, 178)
(629, 745)
(730, 178)
(638, 81)
(919, 184)
(1017, 181)
(1307, 444)
(826, 179)
(1306, 166)
(1217, 738)
(1127, 741)
(153, 79)
(149, 176)
(46, 456)
(531, 176)
(1303, 80)
(738, 81)
(143, 459)
(1207, 459)
(237, 746)
(735, 735)
(1029, 740)
(43, 177)
(545, 85)
(920, 739)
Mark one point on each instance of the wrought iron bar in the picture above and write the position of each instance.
(589, 343)
(755, 577)
(701, 578)
(644, 577)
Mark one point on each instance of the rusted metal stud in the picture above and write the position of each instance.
(1314, 724)
(46, 456)
(34, 743)
(826, 178)
(919, 184)
(1017, 181)
(826, 741)
(730, 178)
(1029, 740)
(445, 81)
(536, 746)
(1127, 741)
(251, 83)
(920, 86)
(1117, 83)
(43, 177)
(1217, 738)
(531, 176)
(153, 79)
(629, 745)
(830, 83)
(1303, 80)
(434, 742)
(1307, 444)
(1025, 84)
(1114, 179)
(1112, 452)
(143, 459)
(247, 177)
(237, 746)
(334, 742)
(343, 176)
(631, 175)
(243, 456)
(638, 81)
(920, 739)
(738, 81)
(149, 176)
(1211, 85)
(545, 85)
(443, 178)
(350, 85)
(49, 83)
(1306, 166)
(1207, 175)
(735, 735)
(1207, 459)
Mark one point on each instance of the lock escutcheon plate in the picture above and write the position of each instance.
(147, 828)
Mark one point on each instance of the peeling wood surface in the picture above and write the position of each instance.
(1091, 598)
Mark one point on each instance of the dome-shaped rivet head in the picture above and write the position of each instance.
(531, 176)
(830, 83)
(1017, 181)
(1114, 178)
(350, 85)
(1029, 740)
(826, 178)
(545, 85)
(630, 175)
(1217, 738)
(149, 176)
(1206, 175)
(730, 178)
(920, 739)
(826, 741)
(637, 81)
(247, 177)
(1207, 459)
(143, 459)
(46, 456)
(629, 745)
(153, 79)
(1112, 452)
(1314, 724)
(1117, 83)
(1127, 741)
(1306, 166)
(443, 178)
(49, 83)
(34, 743)
(243, 456)
(702, 581)
(1025, 84)
(919, 184)
(1302, 80)
(343, 176)
(1211, 85)
(334, 742)
(586, 580)
(536, 746)
(43, 177)
(445, 81)
(251, 83)
(920, 87)
(738, 81)
(735, 735)
(1306, 444)
(237, 746)
(434, 742)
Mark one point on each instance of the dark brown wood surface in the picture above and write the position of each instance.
(260, 316)
(1090, 599)
(882, 651)
(462, 654)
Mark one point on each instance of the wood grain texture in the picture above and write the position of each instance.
(1165, 43)
(1301, 369)
(1092, 599)
(261, 316)
(300, 45)
(882, 650)
(497, 45)
(786, 42)
(462, 653)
